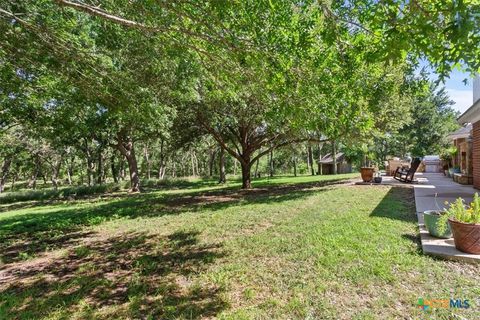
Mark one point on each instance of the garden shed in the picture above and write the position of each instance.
(326, 164)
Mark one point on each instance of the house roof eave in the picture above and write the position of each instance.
(471, 115)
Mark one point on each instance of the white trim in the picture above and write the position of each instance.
(458, 136)
(472, 114)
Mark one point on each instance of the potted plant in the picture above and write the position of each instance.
(455, 170)
(431, 219)
(465, 224)
(445, 170)
(377, 178)
(367, 173)
(450, 172)
(367, 169)
(447, 156)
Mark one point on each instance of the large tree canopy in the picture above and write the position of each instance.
(254, 75)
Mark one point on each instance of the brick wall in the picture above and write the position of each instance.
(476, 154)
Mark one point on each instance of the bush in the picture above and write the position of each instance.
(461, 213)
(62, 193)
(172, 182)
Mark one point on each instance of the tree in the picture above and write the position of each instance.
(247, 121)
(432, 119)
(10, 146)
(444, 32)
(254, 75)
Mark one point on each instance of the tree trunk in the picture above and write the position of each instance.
(133, 168)
(246, 180)
(5, 171)
(90, 169)
(80, 171)
(14, 179)
(126, 148)
(114, 168)
(161, 172)
(256, 175)
(192, 159)
(320, 168)
(55, 171)
(310, 159)
(234, 166)
(211, 162)
(334, 157)
(121, 168)
(70, 170)
(101, 168)
(295, 165)
(271, 164)
(198, 173)
(221, 167)
(162, 167)
(33, 179)
(69, 176)
(146, 157)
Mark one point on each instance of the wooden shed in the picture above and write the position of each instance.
(325, 165)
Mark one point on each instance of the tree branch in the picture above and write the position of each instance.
(219, 139)
(94, 11)
(284, 143)
(97, 12)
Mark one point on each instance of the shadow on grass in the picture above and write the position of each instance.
(398, 204)
(416, 240)
(139, 275)
(22, 236)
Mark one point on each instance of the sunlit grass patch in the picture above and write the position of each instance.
(311, 247)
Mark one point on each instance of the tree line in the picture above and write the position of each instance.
(91, 92)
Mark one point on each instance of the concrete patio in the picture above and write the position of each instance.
(431, 192)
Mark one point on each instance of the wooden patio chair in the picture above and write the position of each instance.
(406, 175)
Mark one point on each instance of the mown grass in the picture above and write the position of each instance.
(46, 192)
(76, 192)
(298, 248)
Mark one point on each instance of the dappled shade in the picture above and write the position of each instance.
(28, 234)
(148, 272)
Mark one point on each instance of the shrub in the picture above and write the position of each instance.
(461, 213)
(48, 194)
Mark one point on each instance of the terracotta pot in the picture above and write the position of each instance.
(367, 174)
(466, 236)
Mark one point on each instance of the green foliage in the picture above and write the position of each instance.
(445, 32)
(79, 80)
(67, 193)
(433, 120)
(447, 154)
(461, 213)
(423, 124)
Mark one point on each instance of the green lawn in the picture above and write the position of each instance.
(298, 248)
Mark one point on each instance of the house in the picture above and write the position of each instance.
(472, 116)
(462, 140)
(325, 165)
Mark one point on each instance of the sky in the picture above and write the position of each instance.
(458, 91)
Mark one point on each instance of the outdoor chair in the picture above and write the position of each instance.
(406, 175)
(394, 164)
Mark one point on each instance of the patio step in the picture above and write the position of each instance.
(430, 194)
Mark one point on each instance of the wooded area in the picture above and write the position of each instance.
(100, 91)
